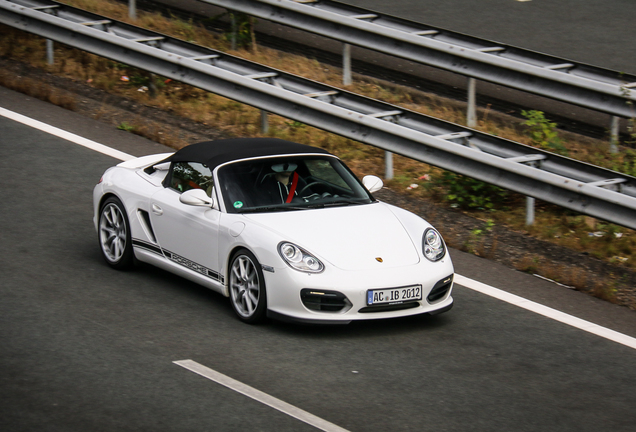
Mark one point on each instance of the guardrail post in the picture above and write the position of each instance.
(471, 114)
(614, 129)
(388, 165)
(346, 64)
(264, 121)
(132, 9)
(234, 37)
(152, 87)
(529, 211)
(50, 54)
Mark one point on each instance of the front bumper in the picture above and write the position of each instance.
(292, 319)
(294, 296)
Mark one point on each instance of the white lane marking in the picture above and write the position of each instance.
(464, 281)
(546, 311)
(259, 396)
(101, 148)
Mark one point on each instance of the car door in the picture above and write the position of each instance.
(188, 235)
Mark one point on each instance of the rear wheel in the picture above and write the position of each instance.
(114, 234)
(247, 287)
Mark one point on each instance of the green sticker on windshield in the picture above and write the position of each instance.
(238, 204)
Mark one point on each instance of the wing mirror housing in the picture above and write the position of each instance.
(372, 183)
(197, 197)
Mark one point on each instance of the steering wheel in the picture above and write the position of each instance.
(310, 184)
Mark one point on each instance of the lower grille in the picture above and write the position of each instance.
(324, 301)
(440, 289)
(389, 308)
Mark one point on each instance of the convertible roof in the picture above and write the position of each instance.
(215, 153)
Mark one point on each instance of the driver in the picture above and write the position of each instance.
(284, 184)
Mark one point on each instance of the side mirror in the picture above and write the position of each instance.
(196, 197)
(372, 183)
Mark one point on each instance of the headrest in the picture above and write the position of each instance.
(284, 167)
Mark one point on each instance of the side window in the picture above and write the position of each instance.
(191, 175)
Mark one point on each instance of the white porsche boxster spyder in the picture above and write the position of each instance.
(284, 230)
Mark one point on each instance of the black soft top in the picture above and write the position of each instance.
(215, 153)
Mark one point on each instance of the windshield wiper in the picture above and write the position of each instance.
(271, 209)
(339, 203)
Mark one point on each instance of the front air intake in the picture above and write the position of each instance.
(324, 301)
(440, 289)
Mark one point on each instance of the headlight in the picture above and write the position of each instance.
(299, 259)
(433, 245)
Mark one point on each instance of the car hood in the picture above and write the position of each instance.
(352, 238)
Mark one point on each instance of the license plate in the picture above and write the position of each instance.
(394, 295)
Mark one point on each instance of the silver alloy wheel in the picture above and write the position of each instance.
(112, 232)
(245, 286)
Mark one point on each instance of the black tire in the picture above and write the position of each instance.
(114, 234)
(246, 283)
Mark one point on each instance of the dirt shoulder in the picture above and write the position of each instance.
(514, 249)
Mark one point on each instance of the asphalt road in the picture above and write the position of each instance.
(84, 347)
(600, 33)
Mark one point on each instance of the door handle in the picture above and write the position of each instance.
(157, 210)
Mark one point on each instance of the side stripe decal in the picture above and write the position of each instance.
(178, 259)
(148, 246)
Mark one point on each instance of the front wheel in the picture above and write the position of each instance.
(114, 234)
(247, 287)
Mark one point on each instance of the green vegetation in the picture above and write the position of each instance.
(542, 132)
(126, 127)
(467, 193)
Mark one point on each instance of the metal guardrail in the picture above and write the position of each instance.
(556, 78)
(568, 183)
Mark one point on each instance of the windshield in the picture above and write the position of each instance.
(289, 183)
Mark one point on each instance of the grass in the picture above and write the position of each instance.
(611, 243)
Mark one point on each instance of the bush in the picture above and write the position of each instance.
(543, 132)
(467, 193)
